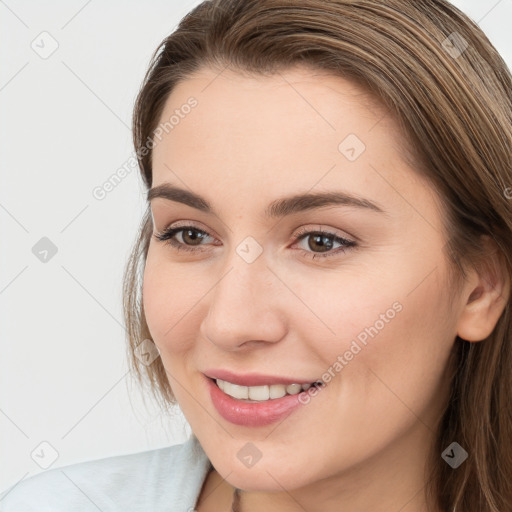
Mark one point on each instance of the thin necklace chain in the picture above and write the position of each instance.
(235, 505)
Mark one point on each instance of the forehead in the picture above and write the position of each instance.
(300, 108)
(312, 95)
(288, 132)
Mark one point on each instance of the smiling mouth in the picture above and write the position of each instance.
(255, 394)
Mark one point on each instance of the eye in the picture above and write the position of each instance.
(189, 238)
(323, 241)
(187, 234)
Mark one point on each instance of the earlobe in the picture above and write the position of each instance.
(487, 291)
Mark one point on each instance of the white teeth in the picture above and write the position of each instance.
(257, 392)
(277, 391)
(293, 389)
(260, 393)
(241, 392)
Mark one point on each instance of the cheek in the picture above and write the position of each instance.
(402, 347)
(369, 324)
(333, 309)
(171, 297)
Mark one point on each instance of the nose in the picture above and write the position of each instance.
(246, 307)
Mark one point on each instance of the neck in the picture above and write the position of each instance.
(384, 482)
(391, 479)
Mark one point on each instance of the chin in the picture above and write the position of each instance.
(262, 482)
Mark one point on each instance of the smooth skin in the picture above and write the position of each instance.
(361, 443)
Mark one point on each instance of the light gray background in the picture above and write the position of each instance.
(64, 131)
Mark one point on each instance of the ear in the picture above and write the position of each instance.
(486, 294)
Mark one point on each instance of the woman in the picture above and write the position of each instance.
(322, 278)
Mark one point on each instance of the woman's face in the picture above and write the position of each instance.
(256, 294)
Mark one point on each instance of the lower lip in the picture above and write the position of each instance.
(252, 414)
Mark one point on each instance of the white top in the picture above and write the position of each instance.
(163, 480)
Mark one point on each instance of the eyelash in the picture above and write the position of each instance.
(167, 236)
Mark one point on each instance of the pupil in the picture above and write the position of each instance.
(195, 238)
(325, 243)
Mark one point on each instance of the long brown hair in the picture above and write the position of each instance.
(450, 91)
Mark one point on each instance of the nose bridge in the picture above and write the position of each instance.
(243, 304)
(246, 274)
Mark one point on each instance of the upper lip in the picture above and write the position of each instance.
(254, 379)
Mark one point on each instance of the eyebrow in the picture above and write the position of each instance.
(277, 208)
